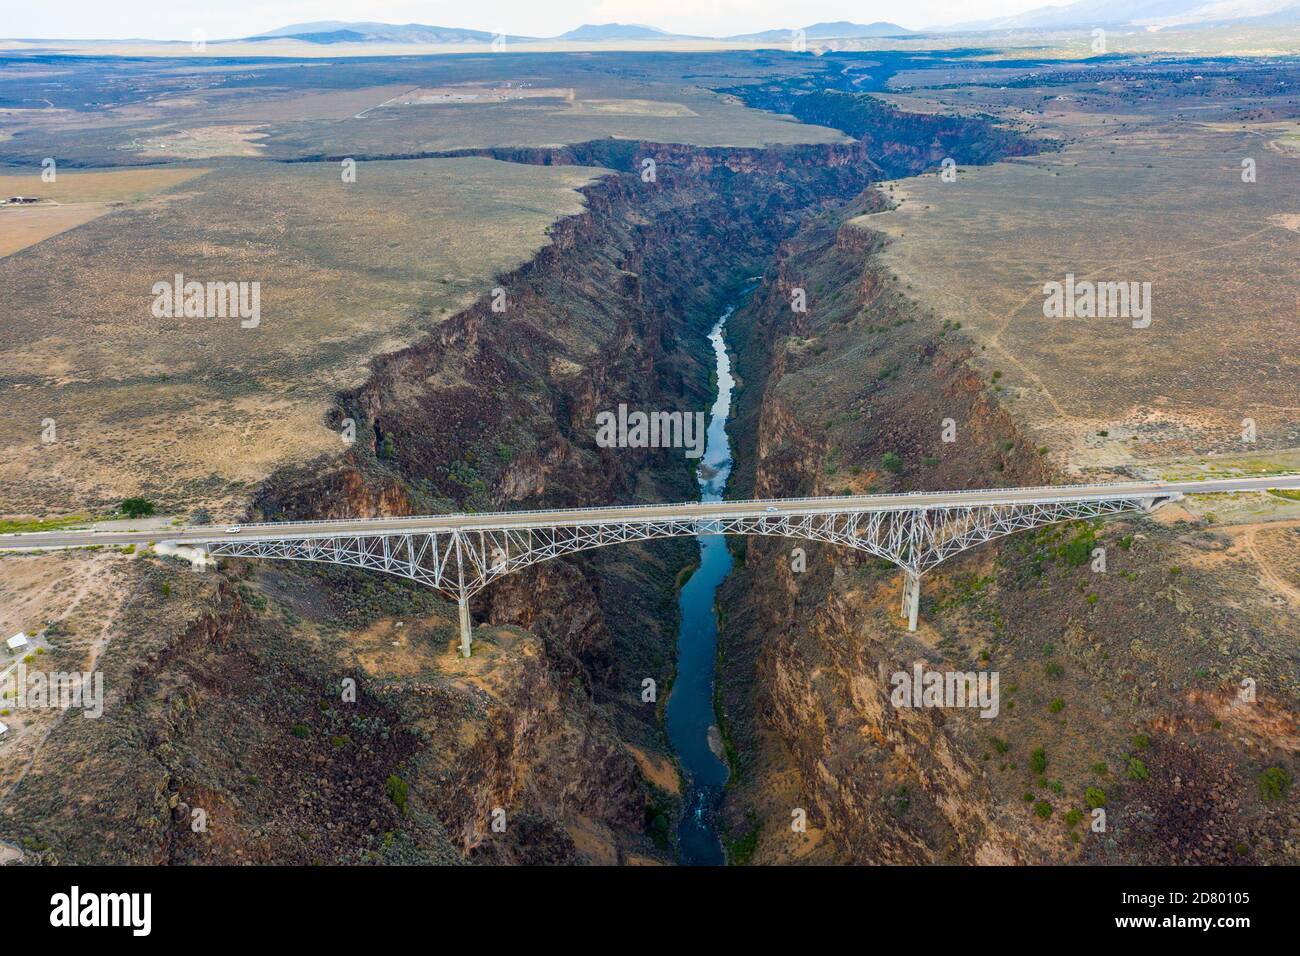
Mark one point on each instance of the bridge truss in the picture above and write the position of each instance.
(460, 561)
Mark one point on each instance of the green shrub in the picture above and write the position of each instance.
(1137, 770)
(1073, 817)
(1078, 551)
(397, 791)
(1056, 706)
(891, 463)
(1042, 809)
(137, 507)
(1141, 741)
(301, 731)
(1095, 796)
(1273, 784)
(1038, 760)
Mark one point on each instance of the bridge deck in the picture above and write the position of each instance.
(570, 517)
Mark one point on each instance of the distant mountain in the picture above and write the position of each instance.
(840, 29)
(1156, 14)
(341, 31)
(338, 31)
(592, 32)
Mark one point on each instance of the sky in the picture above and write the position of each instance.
(178, 19)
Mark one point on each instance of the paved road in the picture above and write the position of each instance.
(620, 513)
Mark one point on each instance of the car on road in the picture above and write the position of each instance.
(235, 530)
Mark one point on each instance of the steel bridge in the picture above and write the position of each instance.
(461, 554)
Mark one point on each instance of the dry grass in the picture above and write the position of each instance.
(1139, 200)
(198, 411)
(83, 592)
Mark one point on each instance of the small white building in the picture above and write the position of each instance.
(18, 641)
(4, 728)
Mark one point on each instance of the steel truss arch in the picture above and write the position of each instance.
(460, 562)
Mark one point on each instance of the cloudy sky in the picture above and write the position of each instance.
(178, 19)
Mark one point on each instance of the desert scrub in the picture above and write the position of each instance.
(740, 852)
(1273, 784)
(1038, 760)
(397, 790)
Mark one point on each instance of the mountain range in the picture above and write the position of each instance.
(1145, 14)
(1134, 14)
(341, 31)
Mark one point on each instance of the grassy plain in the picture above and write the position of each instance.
(1144, 190)
(108, 112)
(194, 412)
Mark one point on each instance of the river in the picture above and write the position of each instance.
(692, 723)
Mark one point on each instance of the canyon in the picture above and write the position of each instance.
(318, 715)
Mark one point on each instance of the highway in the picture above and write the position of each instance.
(200, 534)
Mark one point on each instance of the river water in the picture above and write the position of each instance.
(692, 724)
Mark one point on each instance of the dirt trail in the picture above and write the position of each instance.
(1269, 573)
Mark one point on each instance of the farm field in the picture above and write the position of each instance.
(75, 198)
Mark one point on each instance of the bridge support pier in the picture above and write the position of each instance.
(911, 598)
(466, 626)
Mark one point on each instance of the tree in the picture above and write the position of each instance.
(137, 507)
(892, 463)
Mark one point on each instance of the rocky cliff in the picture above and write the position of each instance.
(859, 393)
